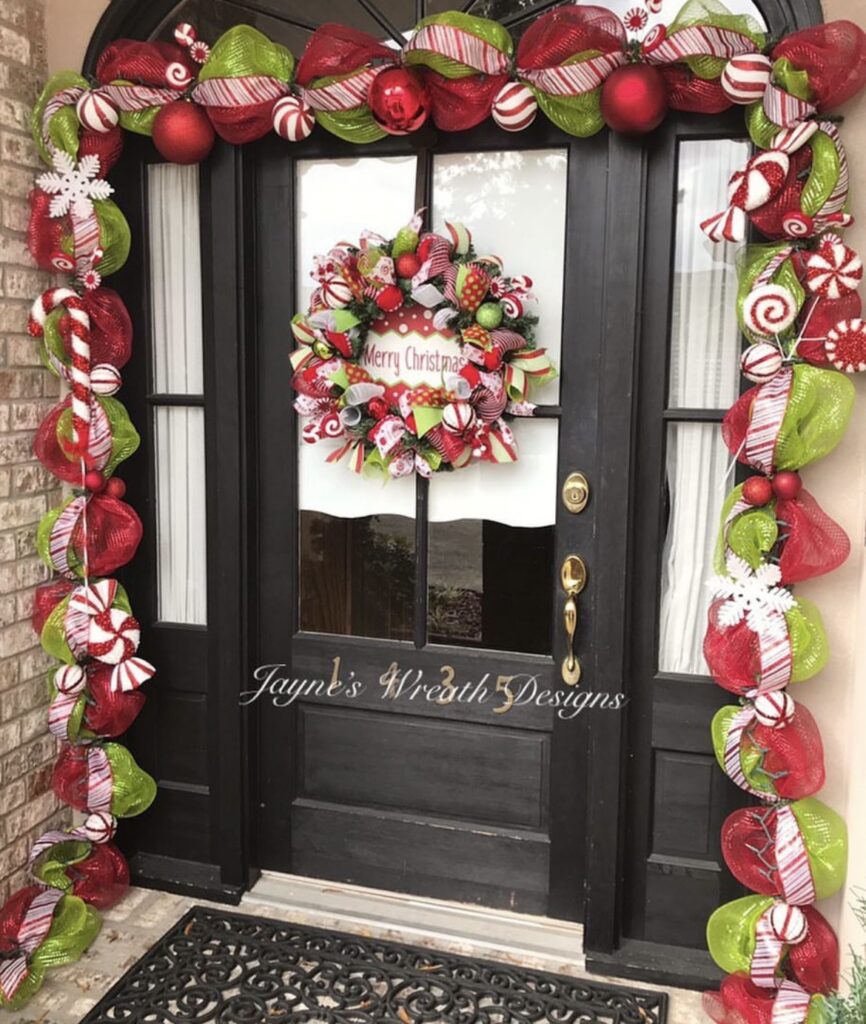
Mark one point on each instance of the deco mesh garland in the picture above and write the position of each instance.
(798, 307)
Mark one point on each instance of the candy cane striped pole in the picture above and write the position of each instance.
(79, 375)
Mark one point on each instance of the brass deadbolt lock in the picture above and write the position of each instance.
(575, 493)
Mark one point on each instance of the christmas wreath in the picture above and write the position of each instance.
(416, 286)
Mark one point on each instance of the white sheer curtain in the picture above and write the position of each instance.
(175, 273)
(705, 344)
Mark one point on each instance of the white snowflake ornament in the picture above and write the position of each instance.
(74, 186)
(753, 595)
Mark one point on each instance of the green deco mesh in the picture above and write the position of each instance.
(125, 438)
(826, 837)
(133, 790)
(73, 929)
(114, 236)
(51, 867)
(577, 115)
(817, 415)
(714, 13)
(750, 756)
(244, 51)
(138, 121)
(53, 636)
(356, 125)
(731, 932)
(809, 649)
(751, 535)
(751, 262)
(52, 340)
(63, 128)
(482, 28)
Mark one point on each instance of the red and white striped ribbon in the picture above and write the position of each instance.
(245, 91)
(59, 713)
(768, 411)
(774, 651)
(769, 272)
(463, 47)
(733, 762)
(132, 98)
(699, 41)
(79, 372)
(437, 262)
(346, 94)
(573, 79)
(839, 196)
(99, 780)
(792, 1004)
(768, 952)
(792, 859)
(784, 109)
(61, 536)
(35, 926)
(64, 98)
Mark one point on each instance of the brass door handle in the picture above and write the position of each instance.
(573, 578)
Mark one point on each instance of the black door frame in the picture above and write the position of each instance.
(229, 316)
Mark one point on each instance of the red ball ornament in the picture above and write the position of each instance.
(757, 490)
(787, 485)
(389, 298)
(398, 101)
(94, 480)
(407, 265)
(115, 488)
(377, 408)
(182, 133)
(634, 99)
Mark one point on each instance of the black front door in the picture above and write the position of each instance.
(448, 757)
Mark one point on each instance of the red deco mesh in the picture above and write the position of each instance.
(814, 964)
(815, 544)
(12, 915)
(732, 654)
(461, 103)
(335, 50)
(240, 125)
(108, 146)
(748, 846)
(102, 878)
(738, 1001)
(768, 218)
(737, 419)
(834, 56)
(109, 713)
(794, 757)
(113, 534)
(44, 233)
(69, 779)
(688, 92)
(47, 449)
(142, 63)
(47, 597)
(110, 328)
(567, 31)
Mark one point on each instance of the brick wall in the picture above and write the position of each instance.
(27, 392)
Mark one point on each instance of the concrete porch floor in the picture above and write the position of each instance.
(144, 915)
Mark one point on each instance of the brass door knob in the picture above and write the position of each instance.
(573, 578)
(575, 493)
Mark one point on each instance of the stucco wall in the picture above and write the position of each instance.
(838, 696)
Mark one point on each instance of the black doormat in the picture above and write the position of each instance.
(218, 967)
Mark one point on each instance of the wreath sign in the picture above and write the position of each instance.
(397, 429)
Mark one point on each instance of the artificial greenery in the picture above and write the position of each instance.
(851, 1008)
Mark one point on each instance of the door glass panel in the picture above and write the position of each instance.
(175, 275)
(480, 572)
(513, 202)
(705, 337)
(696, 464)
(357, 576)
(180, 515)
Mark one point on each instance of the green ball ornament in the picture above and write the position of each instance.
(489, 315)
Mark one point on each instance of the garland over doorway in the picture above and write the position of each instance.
(799, 310)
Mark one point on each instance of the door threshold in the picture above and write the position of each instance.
(524, 940)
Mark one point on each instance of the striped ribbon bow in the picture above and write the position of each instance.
(792, 1004)
(765, 423)
(792, 860)
(771, 942)
(31, 933)
(740, 723)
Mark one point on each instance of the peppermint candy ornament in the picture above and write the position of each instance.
(512, 306)
(96, 112)
(774, 710)
(798, 225)
(99, 827)
(185, 34)
(105, 379)
(515, 107)
(70, 680)
(458, 417)
(177, 76)
(845, 346)
(761, 362)
(769, 310)
(833, 270)
(789, 924)
(294, 119)
(745, 78)
(760, 181)
(336, 293)
(114, 635)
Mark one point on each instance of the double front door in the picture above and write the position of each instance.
(416, 729)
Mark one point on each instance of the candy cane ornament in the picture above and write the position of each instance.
(79, 374)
